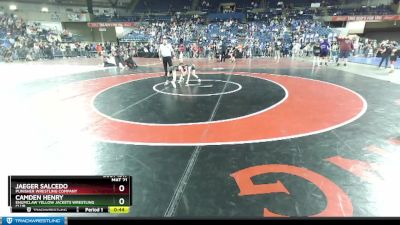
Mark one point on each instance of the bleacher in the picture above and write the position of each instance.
(377, 10)
(157, 6)
(237, 33)
(226, 16)
(155, 10)
(3, 33)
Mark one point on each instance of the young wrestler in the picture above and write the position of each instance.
(171, 70)
(131, 63)
(189, 70)
(232, 54)
(184, 70)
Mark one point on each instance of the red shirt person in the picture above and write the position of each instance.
(346, 47)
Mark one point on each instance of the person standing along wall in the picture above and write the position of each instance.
(345, 48)
(394, 55)
(385, 54)
(325, 48)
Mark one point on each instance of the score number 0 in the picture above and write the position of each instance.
(121, 188)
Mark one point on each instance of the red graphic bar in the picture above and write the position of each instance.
(77, 189)
(69, 186)
(366, 18)
(105, 25)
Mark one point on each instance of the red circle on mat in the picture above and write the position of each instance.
(311, 107)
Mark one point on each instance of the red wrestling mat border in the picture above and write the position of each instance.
(311, 107)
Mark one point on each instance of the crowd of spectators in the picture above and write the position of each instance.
(22, 41)
(271, 36)
(201, 39)
(264, 35)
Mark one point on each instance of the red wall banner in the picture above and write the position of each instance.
(101, 25)
(366, 18)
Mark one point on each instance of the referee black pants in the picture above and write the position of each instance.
(223, 56)
(167, 61)
(118, 60)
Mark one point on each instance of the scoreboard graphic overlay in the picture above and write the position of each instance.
(70, 194)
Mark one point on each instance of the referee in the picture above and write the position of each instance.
(166, 52)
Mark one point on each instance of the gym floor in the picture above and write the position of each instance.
(256, 138)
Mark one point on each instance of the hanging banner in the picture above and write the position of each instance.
(104, 25)
(366, 18)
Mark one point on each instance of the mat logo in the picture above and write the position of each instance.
(9, 220)
(338, 202)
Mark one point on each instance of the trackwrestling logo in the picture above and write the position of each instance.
(33, 220)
